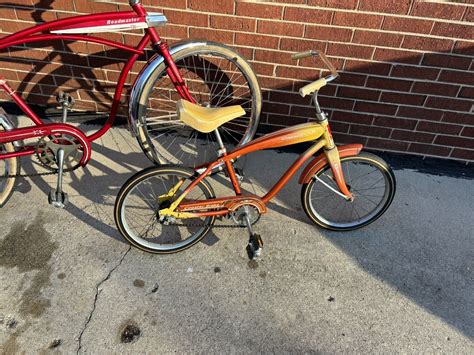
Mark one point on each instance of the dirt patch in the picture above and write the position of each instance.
(139, 283)
(129, 333)
(29, 248)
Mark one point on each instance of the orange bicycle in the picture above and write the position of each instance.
(167, 209)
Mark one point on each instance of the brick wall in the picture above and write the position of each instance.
(407, 71)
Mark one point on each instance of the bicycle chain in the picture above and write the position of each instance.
(67, 170)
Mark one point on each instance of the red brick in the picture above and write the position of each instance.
(428, 44)
(446, 61)
(307, 15)
(351, 79)
(399, 98)
(219, 6)
(414, 72)
(368, 68)
(271, 107)
(389, 84)
(436, 127)
(452, 141)
(339, 127)
(259, 10)
(352, 117)
(467, 92)
(463, 154)
(88, 7)
(370, 131)
(469, 16)
(377, 38)
(342, 138)
(394, 7)
(273, 57)
(461, 118)
(289, 97)
(349, 51)
(338, 4)
(280, 28)
(328, 33)
(187, 18)
(336, 103)
(387, 144)
(296, 73)
(429, 149)
(407, 24)
(275, 83)
(410, 136)
(175, 4)
(465, 48)
(233, 23)
(298, 45)
(437, 10)
(461, 77)
(285, 120)
(429, 87)
(256, 40)
(302, 111)
(373, 107)
(212, 35)
(449, 104)
(458, 31)
(393, 122)
(397, 56)
(263, 69)
(357, 20)
(468, 132)
(358, 93)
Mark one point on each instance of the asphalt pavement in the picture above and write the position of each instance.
(69, 282)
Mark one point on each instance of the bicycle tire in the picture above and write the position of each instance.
(124, 218)
(328, 218)
(9, 166)
(171, 150)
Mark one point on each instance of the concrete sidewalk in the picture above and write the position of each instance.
(69, 283)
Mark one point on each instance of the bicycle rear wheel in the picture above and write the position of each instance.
(144, 194)
(367, 177)
(7, 167)
(216, 76)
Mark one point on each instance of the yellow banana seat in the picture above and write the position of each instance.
(205, 119)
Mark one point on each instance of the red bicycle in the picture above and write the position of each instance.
(202, 72)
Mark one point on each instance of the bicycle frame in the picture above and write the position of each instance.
(318, 132)
(65, 29)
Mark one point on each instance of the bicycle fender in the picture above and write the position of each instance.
(143, 80)
(320, 161)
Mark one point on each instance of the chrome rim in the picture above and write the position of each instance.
(214, 80)
(366, 180)
(140, 218)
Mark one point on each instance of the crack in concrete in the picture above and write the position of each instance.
(96, 297)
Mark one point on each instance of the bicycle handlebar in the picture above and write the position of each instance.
(315, 53)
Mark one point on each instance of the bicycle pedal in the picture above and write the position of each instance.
(58, 200)
(254, 247)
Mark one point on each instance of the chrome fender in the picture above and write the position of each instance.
(321, 160)
(143, 80)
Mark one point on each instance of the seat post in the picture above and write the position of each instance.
(222, 151)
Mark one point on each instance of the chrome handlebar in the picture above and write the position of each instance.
(316, 53)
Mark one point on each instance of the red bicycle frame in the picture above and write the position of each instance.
(64, 29)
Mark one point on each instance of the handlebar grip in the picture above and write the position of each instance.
(301, 55)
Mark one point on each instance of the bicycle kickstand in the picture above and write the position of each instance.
(254, 247)
(58, 198)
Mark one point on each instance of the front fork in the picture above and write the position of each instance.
(332, 155)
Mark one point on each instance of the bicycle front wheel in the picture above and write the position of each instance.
(216, 76)
(368, 178)
(7, 167)
(140, 200)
